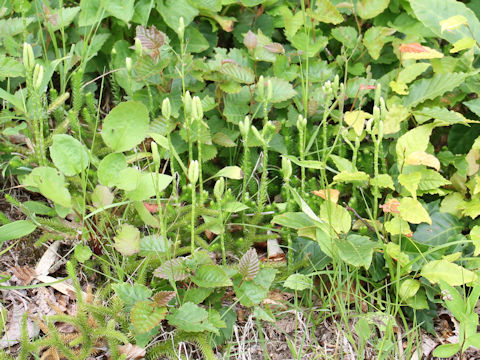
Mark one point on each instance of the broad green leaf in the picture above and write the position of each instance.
(382, 181)
(397, 226)
(471, 208)
(230, 172)
(131, 294)
(16, 230)
(310, 164)
(127, 241)
(419, 301)
(298, 282)
(51, 184)
(431, 180)
(9, 67)
(125, 126)
(128, 179)
(356, 119)
(153, 245)
(150, 184)
(346, 35)
(452, 274)
(211, 276)
(450, 204)
(265, 315)
(356, 250)
(408, 288)
(82, 253)
(395, 115)
(252, 292)
(295, 220)
(69, 155)
(102, 196)
(416, 139)
(14, 25)
(293, 22)
(446, 350)
(432, 12)
(375, 38)
(368, 9)
(191, 318)
(342, 164)
(437, 85)
(238, 73)
(410, 182)
(122, 10)
(412, 71)
(110, 168)
(172, 10)
(282, 89)
(462, 44)
(337, 216)
(453, 23)
(325, 12)
(412, 211)
(195, 41)
(234, 206)
(308, 45)
(223, 140)
(393, 250)
(210, 5)
(145, 315)
(356, 176)
(475, 237)
(449, 117)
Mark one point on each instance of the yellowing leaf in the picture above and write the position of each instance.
(394, 116)
(475, 237)
(417, 51)
(472, 160)
(423, 158)
(399, 87)
(410, 181)
(127, 242)
(462, 44)
(453, 23)
(452, 274)
(356, 119)
(398, 226)
(331, 195)
(412, 211)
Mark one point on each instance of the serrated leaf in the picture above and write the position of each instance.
(356, 119)
(437, 85)
(410, 182)
(452, 274)
(336, 216)
(449, 117)
(211, 276)
(375, 38)
(326, 12)
(131, 294)
(191, 318)
(238, 73)
(145, 315)
(382, 181)
(368, 9)
(397, 226)
(462, 44)
(162, 298)
(432, 12)
(249, 265)
(423, 158)
(127, 241)
(9, 67)
(174, 269)
(150, 38)
(416, 139)
(412, 211)
(356, 250)
(223, 140)
(351, 176)
(298, 282)
(282, 89)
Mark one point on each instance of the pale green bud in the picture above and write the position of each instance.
(219, 188)
(301, 123)
(166, 108)
(128, 65)
(269, 90)
(193, 172)
(155, 153)
(28, 57)
(380, 130)
(335, 84)
(286, 168)
(261, 87)
(244, 126)
(181, 27)
(37, 76)
(197, 105)
(187, 102)
(257, 134)
(138, 47)
(376, 112)
(378, 92)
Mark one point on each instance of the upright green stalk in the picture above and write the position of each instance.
(287, 173)
(244, 131)
(218, 191)
(302, 126)
(197, 115)
(193, 177)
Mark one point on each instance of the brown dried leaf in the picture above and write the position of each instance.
(275, 48)
(249, 265)
(150, 38)
(162, 298)
(133, 352)
(24, 274)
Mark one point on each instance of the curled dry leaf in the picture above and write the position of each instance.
(391, 206)
(133, 352)
(330, 194)
(152, 208)
(24, 274)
